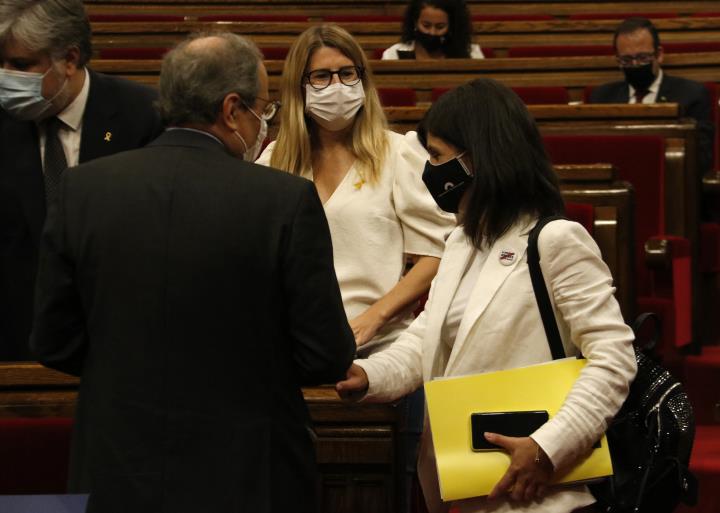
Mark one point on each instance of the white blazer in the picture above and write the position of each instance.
(502, 329)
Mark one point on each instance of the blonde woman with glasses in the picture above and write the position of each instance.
(333, 131)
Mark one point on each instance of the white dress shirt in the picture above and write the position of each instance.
(70, 132)
(392, 52)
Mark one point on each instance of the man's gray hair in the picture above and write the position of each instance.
(47, 26)
(195, 79)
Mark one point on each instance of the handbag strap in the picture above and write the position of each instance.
(541, 293)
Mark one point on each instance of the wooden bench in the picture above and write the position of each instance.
(498, 35)
(574, 73)
(318, 8)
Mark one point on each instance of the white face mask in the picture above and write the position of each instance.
(251, 152)
(334, 107)
(21, 95)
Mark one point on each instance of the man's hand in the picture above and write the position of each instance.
(530, 469)
(355, 384)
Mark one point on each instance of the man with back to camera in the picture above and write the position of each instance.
(194, 293)
(54, 113)
(639, 55)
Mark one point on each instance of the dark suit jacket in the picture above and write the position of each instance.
(116, 107)
(194, 293)
(691, 95)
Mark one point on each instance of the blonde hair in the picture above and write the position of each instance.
(293, 150)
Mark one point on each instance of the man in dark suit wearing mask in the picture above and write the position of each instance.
(194, 293)
(54, 113)
(639, 54)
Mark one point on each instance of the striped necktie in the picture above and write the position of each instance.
(55, 161)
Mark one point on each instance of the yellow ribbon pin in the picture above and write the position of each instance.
(108, 136)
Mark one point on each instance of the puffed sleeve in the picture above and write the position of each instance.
(476, 52)
(390, 53)
(425, 226)
(580, 285)
(264, 158)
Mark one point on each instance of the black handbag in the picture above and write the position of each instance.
(651, 437)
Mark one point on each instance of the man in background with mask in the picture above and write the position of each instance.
(639, 54)
(194, 293)
(54, 113)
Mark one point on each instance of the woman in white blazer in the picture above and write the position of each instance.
(482, 314)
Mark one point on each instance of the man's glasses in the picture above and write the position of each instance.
(321, 78)
(639, 59)
(270, 110)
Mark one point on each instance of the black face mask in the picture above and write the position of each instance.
(640, 77)
(429, 42)
(447, 182)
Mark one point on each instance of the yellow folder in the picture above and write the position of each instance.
(464, 473)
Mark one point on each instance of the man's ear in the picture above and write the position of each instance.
(660, 55)
(231, 105)
(72, 58)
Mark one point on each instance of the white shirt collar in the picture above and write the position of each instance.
(72, 114)
(654, 87)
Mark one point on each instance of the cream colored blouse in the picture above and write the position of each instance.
(375, 226)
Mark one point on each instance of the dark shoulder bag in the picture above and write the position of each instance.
(651, 436)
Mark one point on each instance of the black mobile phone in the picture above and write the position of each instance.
(508, 423)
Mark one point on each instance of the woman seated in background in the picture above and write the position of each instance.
(482, 314)
(435, 29)
(334, 132)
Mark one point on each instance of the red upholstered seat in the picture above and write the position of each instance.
(34, 455)
(512, 17)
(134, 17)
(132, 53)
(560, 51)
(275, 54)
(702, 383)
(437, 92)
(254, 17)
(703, 46)
(370, 18)
(542, 95)
(397, 96)
(640, 160)
(621, 15)
(705, 464)
(581, 213)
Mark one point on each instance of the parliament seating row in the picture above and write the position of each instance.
(320, 8)
(498, 36)
(340, 18)
(573, 73)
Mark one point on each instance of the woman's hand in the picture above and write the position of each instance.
(355, 385)
(366, 325)
(530, 468)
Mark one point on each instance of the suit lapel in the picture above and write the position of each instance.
(97, 128)
(457, 254)
(496, 269)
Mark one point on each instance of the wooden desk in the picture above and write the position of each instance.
(357, 446)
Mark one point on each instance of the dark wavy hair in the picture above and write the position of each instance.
(458, 38)
(513, 176)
